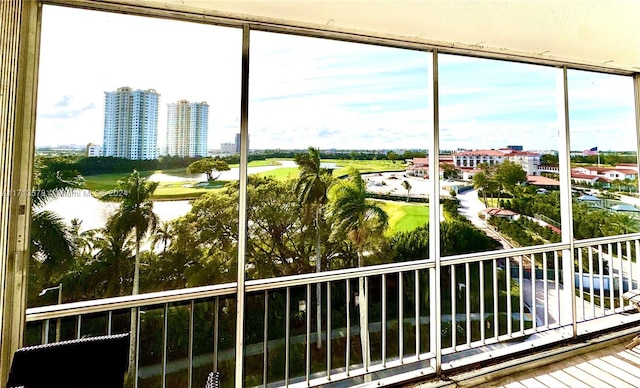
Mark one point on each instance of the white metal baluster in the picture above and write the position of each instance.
(496, 318)
(417, 302)
(329, 335)
(545, 277)
(366, 356)
(265, 340)
(287, 328)
(483, 334)
(308, 318)
(454, 297)
(165, 333)
(348, 345)
(534, 299)
(556, 269)
(216, 328)
(400, 318)
(620, 276)
(467, 298)
(384, 320)
(580, 281)
(521, 281)
(78, 328)
(612, 305)
(191, 319)
(601, 265)
(45, 332)
(592, 292)
(509, 307)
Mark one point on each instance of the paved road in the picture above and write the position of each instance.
(470, 207)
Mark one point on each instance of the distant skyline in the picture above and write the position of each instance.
(313, 92)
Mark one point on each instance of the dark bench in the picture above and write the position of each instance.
(96, 362)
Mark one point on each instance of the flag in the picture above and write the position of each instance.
(591, 152)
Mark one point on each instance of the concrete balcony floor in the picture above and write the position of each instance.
(601, 363)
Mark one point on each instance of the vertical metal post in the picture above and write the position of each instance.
(138, 318)
(216, 330)
(417, 312)
(581, 281)
(521, 305)
(467, 298)
(192, 307)
(601, 273)
(508, 289)
(400, 318)
(348, 346)
(545, 282)
(19, 44)
(611, 286)
(78, 328)
(109, 322)
(59, 320)
(265, 341)
(434, 213)
(620, 275)
(567, 297)
(242, 207)
(308, 339)
(496, 319)
(454, 307)
(534, 303)
(45, 332)
(384, 320)
(483, 334)
(287, 332)
(329, 336)
(592, 294)
(366, 356)
(165, 347)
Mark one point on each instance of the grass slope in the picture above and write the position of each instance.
(404, 216)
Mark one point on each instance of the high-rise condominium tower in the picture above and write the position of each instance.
(131, 123)
(187, 128)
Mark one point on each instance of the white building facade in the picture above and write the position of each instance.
(93, 150)
(187, 129)
(131, 123)
(529, 161)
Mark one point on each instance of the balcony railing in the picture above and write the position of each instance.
(418, 321)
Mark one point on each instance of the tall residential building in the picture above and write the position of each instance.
(131, 123)
(187, 128)
(238, 143)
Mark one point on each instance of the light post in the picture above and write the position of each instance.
(59, 288)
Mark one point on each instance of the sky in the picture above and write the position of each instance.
(314, 92)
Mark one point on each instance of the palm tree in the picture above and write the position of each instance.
(51, 240)
(163, 234)
(407, 186)
(134, 215)
(112, 265)
(624, 223)
(357, 217)
(311, 190)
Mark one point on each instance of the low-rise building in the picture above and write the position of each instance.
(93, 150)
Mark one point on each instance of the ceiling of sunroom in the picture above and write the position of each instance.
(597, 32)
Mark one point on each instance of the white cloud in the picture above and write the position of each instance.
(306, 91)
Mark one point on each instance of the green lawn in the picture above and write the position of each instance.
(108, 181)
(404, 216)
(364, 166)
(280, 173)
(177, 190)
